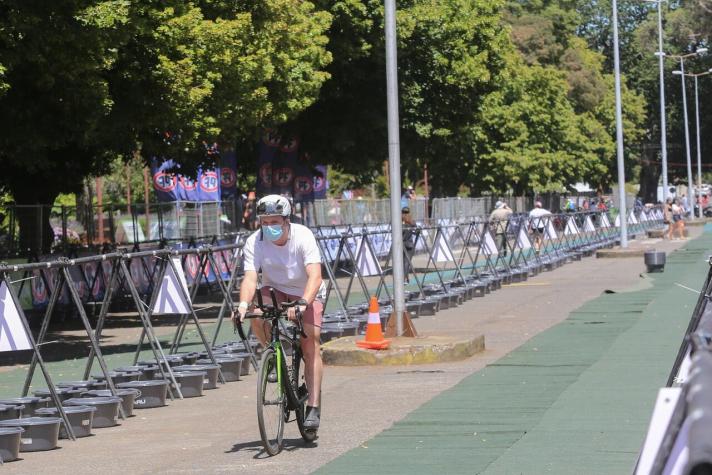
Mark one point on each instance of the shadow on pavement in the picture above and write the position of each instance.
(256, 446)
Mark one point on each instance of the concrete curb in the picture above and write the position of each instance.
(402, 351)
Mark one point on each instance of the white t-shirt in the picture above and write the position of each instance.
(538, 213)
(283, 267)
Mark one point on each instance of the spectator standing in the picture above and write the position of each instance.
(408, 241)
(678, 213)
(499, 218)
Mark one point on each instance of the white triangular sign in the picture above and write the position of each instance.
(523, 241)
(12, 332)
(632, 219)
(550, 230)
(571, 227)
(605, 223)
(618, 221)
(170, 300)
(488, 247)
(644, 217)
(367, 263)
(441, 251)
(588, 226)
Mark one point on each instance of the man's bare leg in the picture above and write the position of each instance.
(313, 367)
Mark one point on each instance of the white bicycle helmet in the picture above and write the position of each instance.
(274, 205)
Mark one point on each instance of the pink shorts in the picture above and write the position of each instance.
(311, 316)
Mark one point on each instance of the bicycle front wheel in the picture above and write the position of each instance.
(271, 403)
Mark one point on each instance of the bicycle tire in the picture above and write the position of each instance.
(271, 404)
(300, 390)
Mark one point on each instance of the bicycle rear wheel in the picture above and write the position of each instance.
(271, 404)
(299, 386)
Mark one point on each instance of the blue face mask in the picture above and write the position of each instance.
(272, 232)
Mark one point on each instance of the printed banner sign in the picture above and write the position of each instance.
(171, 300)
(12, 332)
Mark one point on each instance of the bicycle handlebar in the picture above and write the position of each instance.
(268, 312)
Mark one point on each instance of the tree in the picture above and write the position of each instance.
(450, 55)
(529, 138)
(89, 80)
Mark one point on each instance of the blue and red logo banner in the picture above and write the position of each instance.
(173, 186)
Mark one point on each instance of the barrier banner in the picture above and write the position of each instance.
(487, 246)
(523, 241)
(550, 230)
(367, 263)
(617, 222)
(441, 251)
(228, 175)
(588, 226)
(632, 219)
(12, 332)
(171, 300)
(571, 227)
(605, 223)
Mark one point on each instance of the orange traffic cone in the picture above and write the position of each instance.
(374, 335)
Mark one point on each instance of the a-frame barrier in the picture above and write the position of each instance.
(15, 335)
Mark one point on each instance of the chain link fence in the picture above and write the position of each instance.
(47, 227)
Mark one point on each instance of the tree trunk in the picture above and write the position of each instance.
(649, 175)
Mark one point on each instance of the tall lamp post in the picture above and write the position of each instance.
(681, 73)
(619, 131)
(663, 126)
(394, 163)
(697, 123)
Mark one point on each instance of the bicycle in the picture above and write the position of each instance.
(281, 388)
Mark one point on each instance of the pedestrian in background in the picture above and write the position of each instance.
(538, 219)
(667, 218)
(408, 241)
(498, 220)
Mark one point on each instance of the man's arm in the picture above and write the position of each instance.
(247, 292)
(313, 282)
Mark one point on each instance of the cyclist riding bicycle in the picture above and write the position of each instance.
(290, 261)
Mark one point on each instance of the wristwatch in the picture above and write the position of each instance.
(243, 304)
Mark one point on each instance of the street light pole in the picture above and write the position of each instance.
(663, 119)
(690, 191)
(699, 154)
(619, 131)
(394, 163)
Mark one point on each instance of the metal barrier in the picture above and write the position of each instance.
(678, 438)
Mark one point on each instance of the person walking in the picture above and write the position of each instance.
(498, 220)
(539, 219)
(667, 218)
(678, 213)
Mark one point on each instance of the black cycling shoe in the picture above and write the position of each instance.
(311, 421)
